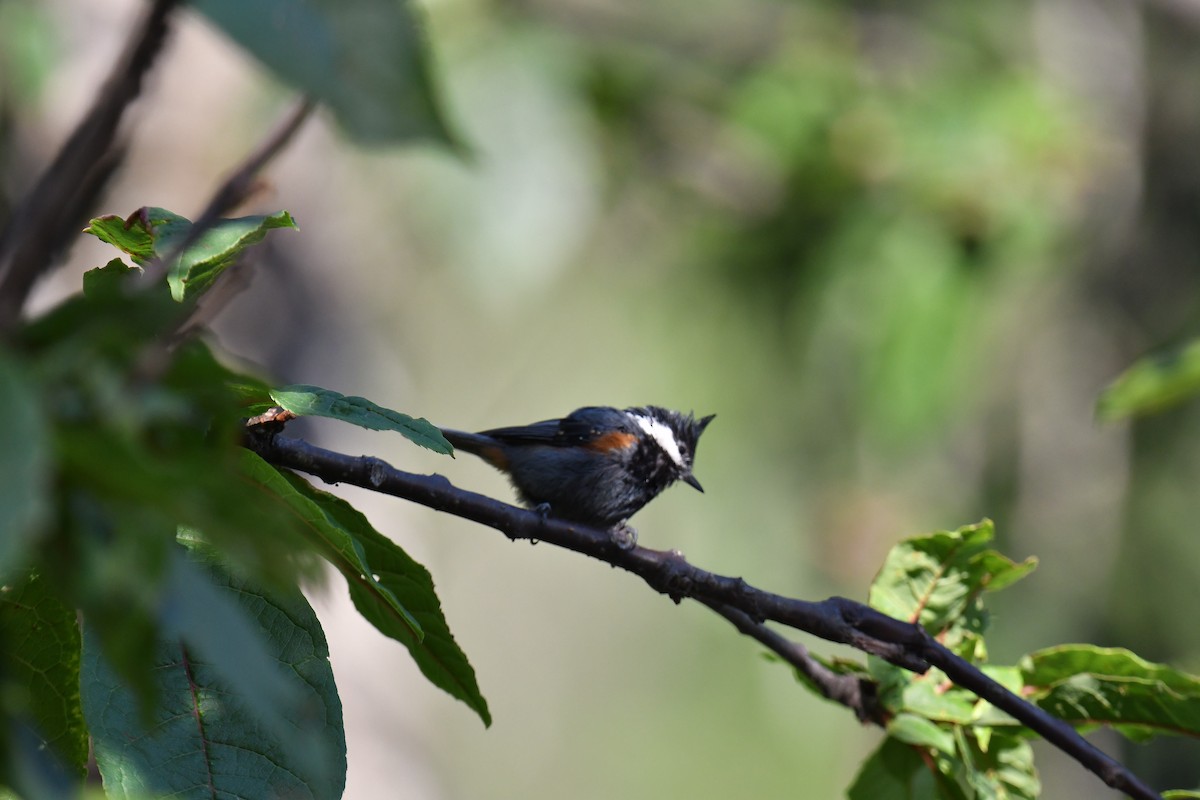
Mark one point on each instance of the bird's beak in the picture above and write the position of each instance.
(691, 481)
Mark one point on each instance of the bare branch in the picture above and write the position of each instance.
(747, 607)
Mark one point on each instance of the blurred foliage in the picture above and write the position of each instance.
(1154, 383)
(912, 169)
(365, 60)
(124, 441)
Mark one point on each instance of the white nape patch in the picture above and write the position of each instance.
(663, 435)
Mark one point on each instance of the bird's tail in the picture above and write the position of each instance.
(477, 444)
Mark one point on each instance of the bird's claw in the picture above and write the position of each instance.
(624, 536)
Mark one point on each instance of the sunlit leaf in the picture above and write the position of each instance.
(1085, 684)
(938, 580)
(151, 233)
(144, 235)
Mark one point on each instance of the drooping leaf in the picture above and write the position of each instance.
(1085, 684)
(217, 249)
(367, 60)
(25, 465)
(1154, 383)
(39, 646)
(248, 706)
(337, 544)
(151, 233)
(392, 591)
(317, 402)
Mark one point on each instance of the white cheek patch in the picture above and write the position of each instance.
(663, 435)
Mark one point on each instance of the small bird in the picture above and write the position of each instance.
(597, 465)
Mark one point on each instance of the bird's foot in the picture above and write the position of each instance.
(624, 536)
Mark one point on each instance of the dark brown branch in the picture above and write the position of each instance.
(66, 191)
(747, 607)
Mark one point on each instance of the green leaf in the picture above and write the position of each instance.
(252, 396)
(915, 730)
(39, 645)
(248, 706)
(938, 580)
(217, 249)
(1088, 685)
(1153, 384)
(931, 695)
(393, 592)
(313, 401)
(1181, 794)
(1003, 769)
(987, 715)
(107, 281)
(367, 60)
(338, 545)
(896, 771)
(24, 465)
(151, 489)
(151, 233)
(145, 234)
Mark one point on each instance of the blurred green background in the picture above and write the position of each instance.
(898, 249)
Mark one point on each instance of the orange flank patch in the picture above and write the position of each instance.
(495, 456)
(612, 441)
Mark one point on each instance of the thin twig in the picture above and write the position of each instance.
(849, 690)
(835, 619)
(240, 184)
(232, 192)
(38, 229)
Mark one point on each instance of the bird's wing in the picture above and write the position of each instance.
(545, 432)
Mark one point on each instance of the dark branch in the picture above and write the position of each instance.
(36, 233)
(747, 607)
